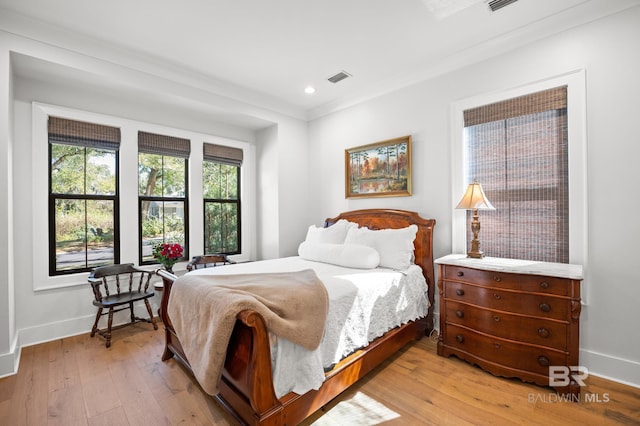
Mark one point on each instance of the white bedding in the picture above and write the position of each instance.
(363, 305)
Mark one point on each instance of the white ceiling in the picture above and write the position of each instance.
(267, 52)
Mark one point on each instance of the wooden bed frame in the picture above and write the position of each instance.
(246, 387)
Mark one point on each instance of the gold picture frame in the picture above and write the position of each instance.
(381, 169)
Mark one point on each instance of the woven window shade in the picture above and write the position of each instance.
(524, 105)
(151, 143)
(222, 154)
(81, 133)
(518, 151)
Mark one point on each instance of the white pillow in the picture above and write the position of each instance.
(347, 255)
(395, 246)
(334, 234)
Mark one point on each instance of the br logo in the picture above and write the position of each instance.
(560, 375)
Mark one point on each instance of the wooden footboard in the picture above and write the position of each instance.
(246, 388)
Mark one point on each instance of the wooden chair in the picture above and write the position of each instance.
(199, 262)
(118, 285)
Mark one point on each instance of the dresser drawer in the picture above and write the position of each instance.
(552, 334)
(544, 306)
(529, 283)
(508, 354)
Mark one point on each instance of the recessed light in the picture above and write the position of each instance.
(309, 90)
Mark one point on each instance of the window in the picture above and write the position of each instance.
(518, 150)
(221, 189)
(83, 195)
(162, 183)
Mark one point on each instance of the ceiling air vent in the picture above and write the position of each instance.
(499, 4)
(339, 77)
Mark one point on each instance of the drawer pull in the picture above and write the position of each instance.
(460, 274)
(496, 318)
(497, 345)
(460, 292)
(460, 338)
(544, 307)
(459, 314)
(543, 361)
(544, 284)
(543, 332)
(497, 279)
(497, 296)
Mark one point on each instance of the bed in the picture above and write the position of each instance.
(246, 388)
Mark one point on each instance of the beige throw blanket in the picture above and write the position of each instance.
(203, 311)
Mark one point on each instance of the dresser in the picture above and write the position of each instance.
(513, 318)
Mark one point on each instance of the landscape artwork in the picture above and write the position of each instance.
(382, 169)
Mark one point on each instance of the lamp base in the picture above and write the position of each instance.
(475, 254)
(475, 251)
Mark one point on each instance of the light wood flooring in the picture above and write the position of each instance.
(77, 381)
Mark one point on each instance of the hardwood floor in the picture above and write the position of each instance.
(77, 381)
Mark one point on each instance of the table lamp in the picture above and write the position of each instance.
(474, 199)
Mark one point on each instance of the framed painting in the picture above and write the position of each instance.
(381, 169)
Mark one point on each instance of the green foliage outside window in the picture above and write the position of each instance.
(221, 207)
(161, 175)
(220, 181)
(161, 186)
(81, 170)
(83, 185)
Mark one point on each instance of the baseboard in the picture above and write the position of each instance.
(611, 368)
(9, 362)
(55, 330)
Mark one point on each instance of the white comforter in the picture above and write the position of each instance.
(363, 305)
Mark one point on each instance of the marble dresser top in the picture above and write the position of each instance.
(561, 270)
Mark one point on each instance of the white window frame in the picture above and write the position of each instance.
(128, 193)
(577, 133)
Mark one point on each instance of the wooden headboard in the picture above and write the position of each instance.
(394, 219)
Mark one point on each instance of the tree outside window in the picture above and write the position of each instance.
(221, 189)
(162, 182)
(83, 196)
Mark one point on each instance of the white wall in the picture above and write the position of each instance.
(283, 195)
(608, 50)
(268, 192)
(7, 305)
(294, 194)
